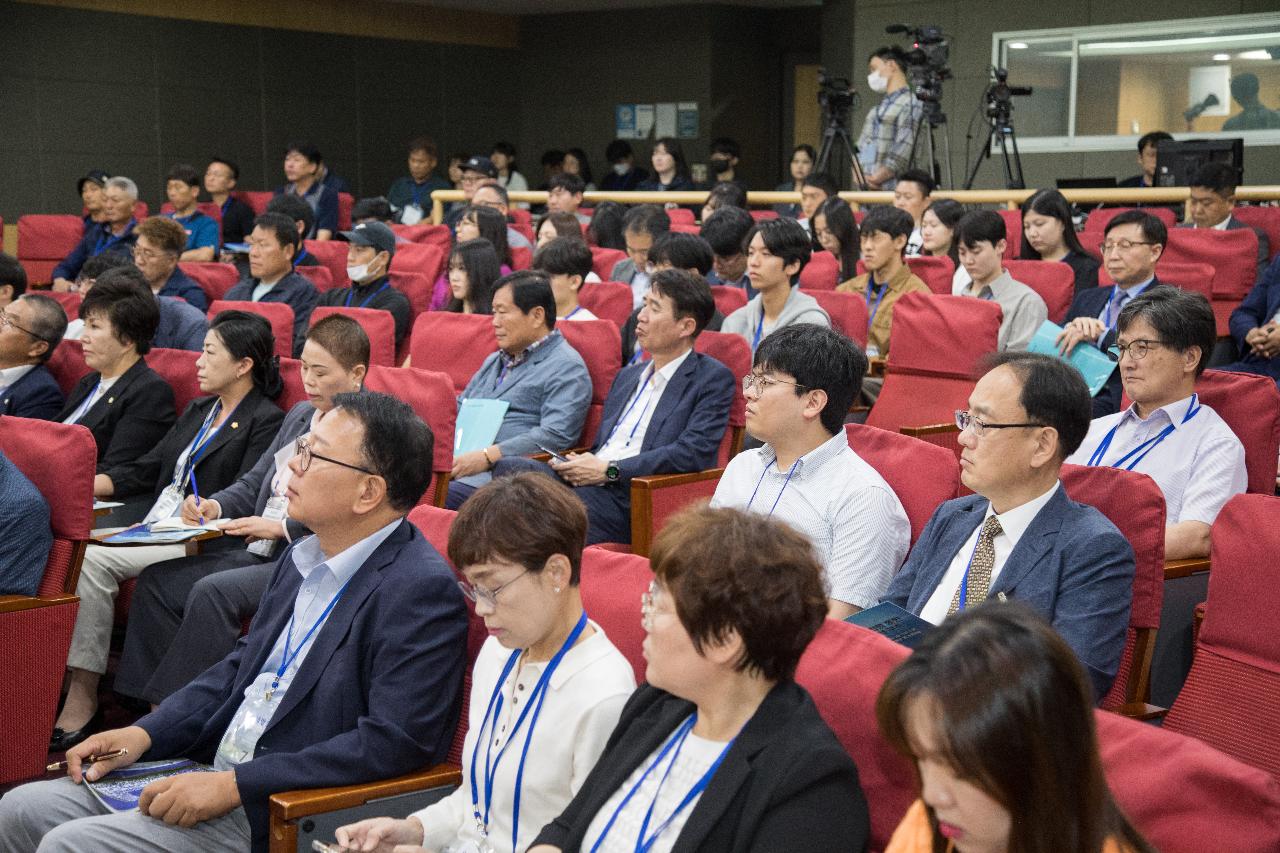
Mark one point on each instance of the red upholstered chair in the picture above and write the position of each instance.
(1196, 277)
(608, 300)
(1266, 219)
(70, 302)
(734, 353)
(521, 257)
(821, 273)
(728, 298)
(921, 474)
(44, 240)
(141, 211)
(319, 276)
(258, 201)
(35, 631)
(178, 368)
(600, 345)
(67, 365)
(345, 203)
(762, 215)
(680, 216)
(1135, 505)
(936, 272)
(604, 260)
(848, 312)
(278, 314)
(379, 325)
(1251, 407)
(1096, 224)
(520, 216)
(612, 584)
(1055, 282)
(333, 255)
(938, 342)
(1233, 255)
(1231, 698)
(426, 233)
(291, 375)
(456, 344)
(685, 227)
(215, 279)
(432, 397)
(423, 258)
(1012, 232)
(416, 287)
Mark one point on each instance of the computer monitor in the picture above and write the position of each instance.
(1176, 162)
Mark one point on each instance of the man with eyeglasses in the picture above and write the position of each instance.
(476, 171)
(157, 252)
(350, 672)
(1132, 243)
(1019, 536)
(30, 328)
(802, 382)
(1164, 341)
(641, 226)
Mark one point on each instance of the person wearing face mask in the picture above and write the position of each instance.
(723, 162)
(884, 147)
(624, 175)
(371, 247)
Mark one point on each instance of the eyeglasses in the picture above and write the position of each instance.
(472, 179)
(1137, 349)
(966, 421)
(761, 383)
(1123, 245)
(489, 596)
(7, 322)
(148, 254)
(304, 451)
(649, 601)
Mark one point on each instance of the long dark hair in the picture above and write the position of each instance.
(840, 222)
(492, 226)
(480, 261)
(949, 212)
(1013, 714)
(1054, 204)
(584, 165)
(673, 147)
(605, 229)
(249, 336)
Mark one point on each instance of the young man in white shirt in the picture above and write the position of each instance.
(803, 380)
(981, 237)
(1165, 339)
(914, 193)
(567, 262)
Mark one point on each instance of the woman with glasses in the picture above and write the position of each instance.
(547, 687)
(1049, 234)
(477, 223)
(721, 749)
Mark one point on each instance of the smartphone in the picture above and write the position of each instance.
(559, 457)
(320, 847)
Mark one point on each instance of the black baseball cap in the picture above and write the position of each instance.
(483, 165)
(373, 234)
(98, 176)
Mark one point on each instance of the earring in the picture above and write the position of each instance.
(557, 589)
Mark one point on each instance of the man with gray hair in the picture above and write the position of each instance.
(30, 328)
(114, 234)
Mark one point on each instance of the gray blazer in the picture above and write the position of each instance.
(548, 395)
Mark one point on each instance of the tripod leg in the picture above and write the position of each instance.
(983, 152)
(1017, 161)
(859, 179)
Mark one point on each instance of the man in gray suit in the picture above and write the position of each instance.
(543, 379)
(1020, 536)
(1213, 198)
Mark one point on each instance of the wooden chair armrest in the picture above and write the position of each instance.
(642, 493)
(294, 805)
(1143, 711)
(1185, 568)
(16, 603)
(662, 481)
(876, 366)
(928, 429)
(442, 489)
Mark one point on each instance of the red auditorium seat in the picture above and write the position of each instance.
(215, 279)
(426, 234)
(525, 231)
(278, 314)
(921, 474)
(521, 257)
(1266, 219)
(1196, 277)
(319, 276)
(455, 344)
(70, 302)
(423, 258)
(604, 260)
(600, 345)
(44, 240)
(608, 300)
(257, 201)
(936, 273)
(762, 215)
(1233, 255)
(67, 365)
(333, 255)
(379, 325)
(520, 216)
(178, 368)
(345, 203)
(1250, 405)
(848, 312)
(1012, 232)
(612, 584)
(1055, 282)
(431, 396)
(685, 227)
(821, 273)
(728, 298)
(291, 374)
(416, 287)
(1096, 225)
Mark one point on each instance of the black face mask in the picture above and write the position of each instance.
(720, 165)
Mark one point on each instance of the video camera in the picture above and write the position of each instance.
(835, 94)
(1000, 94)
(928, 61)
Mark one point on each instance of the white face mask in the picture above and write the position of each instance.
(358, 273)
(621, 169)
(876, 82)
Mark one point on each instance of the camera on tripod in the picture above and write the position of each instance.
(1000, 94)
(928, 61)
(835, 94)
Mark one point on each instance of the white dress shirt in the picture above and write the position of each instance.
(104, 385)
(1199, 466)
(628, 433)
(585, 698)
(1013, 524)
(855, 521)
(639, 288)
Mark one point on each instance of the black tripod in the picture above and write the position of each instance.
(837, 134)
(925, 143)
(1000, 126)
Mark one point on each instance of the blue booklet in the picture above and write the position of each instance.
(890, 620)
(236, 248)
(1094, 364)
(478, 424)
(121, 789)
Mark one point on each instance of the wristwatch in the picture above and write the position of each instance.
(611, 473)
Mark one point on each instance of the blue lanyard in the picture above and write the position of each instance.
(107, 239)
(225, 205)
(755, 341)
(368, 298)
(289, 656)
(302, 253)
(538, 695)
(871, 310)
(643, 844)
(636, 357)
(86, 405)
(644, 389)
(883, 110)
(785, 483)
(1145, 447)
(418, 190)
(569, 316)
(200, 444)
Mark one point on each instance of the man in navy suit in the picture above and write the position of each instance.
(350, 672)
(1253, 325)
(1020, 536)
(30, 328)
(1133, 242)
(663, 416)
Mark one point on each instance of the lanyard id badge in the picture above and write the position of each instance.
(411, 214)
(277, 508)
(166, 506)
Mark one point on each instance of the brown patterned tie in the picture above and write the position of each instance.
(984, 560)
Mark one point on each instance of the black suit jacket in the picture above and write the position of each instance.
(129, 419)
(1091, 302)
(785, 784)
(233, 449)
(35, 395)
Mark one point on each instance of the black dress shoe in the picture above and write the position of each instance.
(61, 740)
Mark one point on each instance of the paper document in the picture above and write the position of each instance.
(890, 620)
(1094, 364)
(478, 424)
(120, 789)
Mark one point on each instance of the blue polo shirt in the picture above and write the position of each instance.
(201, 230)
(324, 203)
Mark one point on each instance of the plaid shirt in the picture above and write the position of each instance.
(512, 361)
(888, 133)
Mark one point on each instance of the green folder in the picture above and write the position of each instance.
(478, 424)
(1094, 364)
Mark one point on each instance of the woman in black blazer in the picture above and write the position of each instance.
(125, 404)
(722, 750)
(216, 440)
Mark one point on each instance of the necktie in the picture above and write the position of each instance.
(984, 560)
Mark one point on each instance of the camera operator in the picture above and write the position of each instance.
(884, 148)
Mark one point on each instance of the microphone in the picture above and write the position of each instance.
(1191, 113)
(894, 29)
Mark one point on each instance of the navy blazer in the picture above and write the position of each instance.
(1071, 565)
(129, 419)
(1091, 302)
(1257, 309)
(36, 394)
(378, 694)
(687, 425)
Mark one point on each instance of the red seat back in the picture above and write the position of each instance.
(734, 353)
(432, 397)
(70, 302)
(821, 273)
(67, 365)
(379, 325)
(333, 255)
(178, 368)
(935, 271)
(1231, 699)
(426, 233)
(521, 257)
(455, 344)
(762, 215)
(1053, 281)
(1096, 225)
(1012, 232)
(520, 216)
(608, 300)
(685, 227)
(317, 275)
(44, 240)
(611, 586)
(215, 279)
(921, 474)
(1233, 255)
(257, 201)
(1135, 505)
(423, 258)
(278, 314)
(291, 376)
(1194, 277)
(728, 298)
(604, 260)
(680, 216)
(1266, 220)
(345, 203)
(600, 345)
(848, 312)
(1250, 405)
(416, 287)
